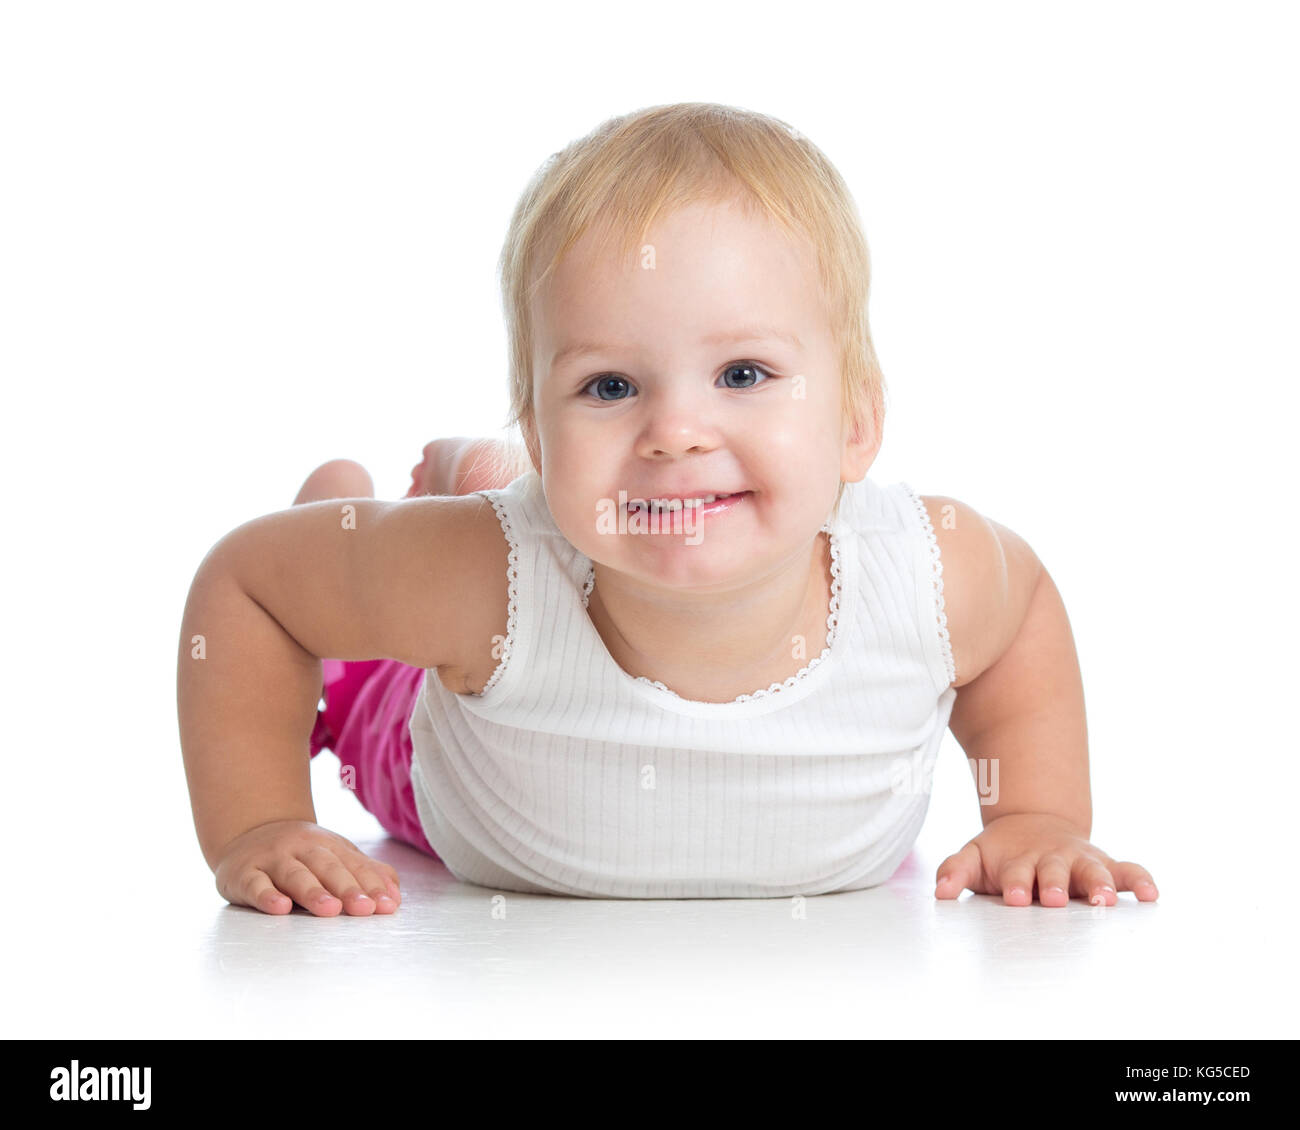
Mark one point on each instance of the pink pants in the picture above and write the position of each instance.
(365, 722)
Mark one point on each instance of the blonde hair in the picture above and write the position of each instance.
(630, 169)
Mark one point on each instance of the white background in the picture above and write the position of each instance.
(237, 240)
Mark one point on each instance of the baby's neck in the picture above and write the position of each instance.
(715, 649)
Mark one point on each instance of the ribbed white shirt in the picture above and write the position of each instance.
(568, 776)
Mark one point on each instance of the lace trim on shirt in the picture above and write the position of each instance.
(832, 628)
(512, 578)
(936, 576)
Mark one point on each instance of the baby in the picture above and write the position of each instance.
(678, 645)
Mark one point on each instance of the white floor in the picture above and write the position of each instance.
(132, 940)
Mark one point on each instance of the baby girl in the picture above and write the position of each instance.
(675, 645)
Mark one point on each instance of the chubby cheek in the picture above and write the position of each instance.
(576, 477)
(810, 460)
(793, 482)
(572, 498)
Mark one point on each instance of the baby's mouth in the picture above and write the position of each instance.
(669, 505)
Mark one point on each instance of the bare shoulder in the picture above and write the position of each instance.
(361, 578)
(481, 589)
(435, 581)
(989, 577)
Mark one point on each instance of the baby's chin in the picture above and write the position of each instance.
(681, 561)
(680, 577)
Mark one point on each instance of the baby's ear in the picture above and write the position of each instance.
(863, 435)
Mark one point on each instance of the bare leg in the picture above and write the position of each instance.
(488, 464)
(458, 465)
(339, 478)
(462, 465)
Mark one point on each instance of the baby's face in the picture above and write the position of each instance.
(638, 390)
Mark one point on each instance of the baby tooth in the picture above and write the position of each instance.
(670, 504)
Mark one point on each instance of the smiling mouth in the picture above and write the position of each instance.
(669, 505)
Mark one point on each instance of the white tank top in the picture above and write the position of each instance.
(566, 775)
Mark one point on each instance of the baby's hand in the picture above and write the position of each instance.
(1012, 850)
(274, 865)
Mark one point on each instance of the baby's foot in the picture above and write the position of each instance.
(434, 473)
(484, 464)
(461, 465)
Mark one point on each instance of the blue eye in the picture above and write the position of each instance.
(600, 382)
(620, 388)
(745, 367)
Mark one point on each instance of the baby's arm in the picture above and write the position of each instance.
(1019, 715)
(345, 578)
(1021, 693)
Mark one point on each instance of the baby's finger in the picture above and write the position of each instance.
(339, 880)
(389, 874)
(300, 883)
(1094, 882)
(958, 872)
(1053, 881)
(376, 884)
(257, 890)
(1017, 881)
(1131, 877)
